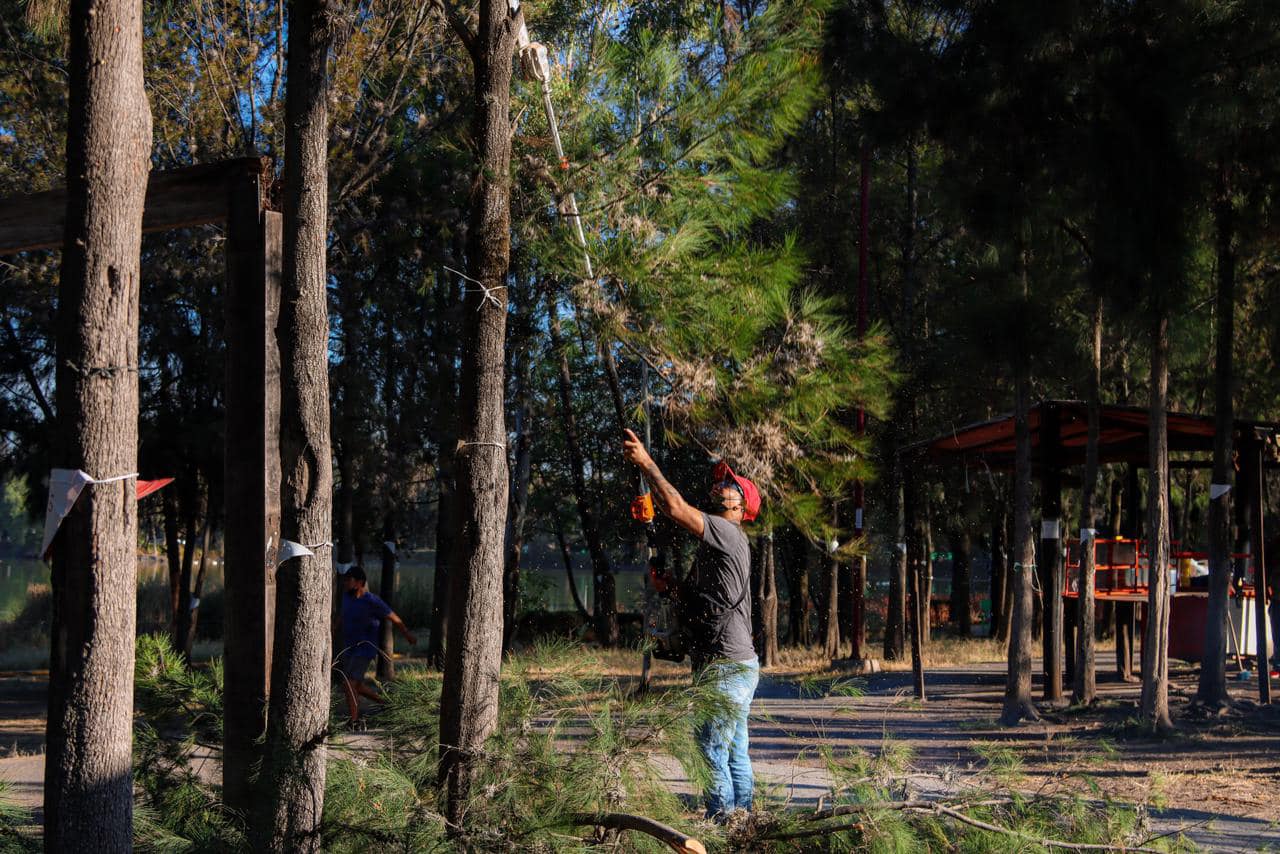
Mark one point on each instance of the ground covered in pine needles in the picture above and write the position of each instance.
(843, 763)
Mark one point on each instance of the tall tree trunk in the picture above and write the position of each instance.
(182, 617)
(831, 609)
(793, 565)
(387, 590)
(961, 584)
(88, 781)
(473, 654)
(520, 480)
(999, 571)
(1212, 688)
(446, 437)
(291, 795)
(606, 603)
(1155, 643)
(1085, 687)
(183, 600)
(1017, 697)
(768, 604)
(210, 526)
(173, 551)
(916, 554)
(896, 614)
(567, 556)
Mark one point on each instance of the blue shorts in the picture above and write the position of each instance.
(354, 666)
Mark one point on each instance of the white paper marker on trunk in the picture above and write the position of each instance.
(289, 550)
(65, 486)
(1217, 490)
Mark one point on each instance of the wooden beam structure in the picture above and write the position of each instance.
(176, 198)
(234, 193)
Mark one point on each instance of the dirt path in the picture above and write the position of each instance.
(1217, 780)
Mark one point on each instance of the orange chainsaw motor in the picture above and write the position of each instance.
(642, 508)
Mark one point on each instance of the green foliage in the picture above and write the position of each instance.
(695, 271)
(568, 742)
(177, 732)
(12, 819)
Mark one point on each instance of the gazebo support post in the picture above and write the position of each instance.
(1049, 560)
(253, 265)
(1255, 469)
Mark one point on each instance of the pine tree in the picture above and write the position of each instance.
(88, 782)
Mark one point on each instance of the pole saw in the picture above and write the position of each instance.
(535, 66)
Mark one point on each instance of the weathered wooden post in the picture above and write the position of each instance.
(253, 252)
(1049, 560)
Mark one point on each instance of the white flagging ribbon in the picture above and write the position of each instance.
(1217, 490)
(289, 550)
(65, 486)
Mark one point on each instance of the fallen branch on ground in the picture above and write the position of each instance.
(678, 841)
(921, 806)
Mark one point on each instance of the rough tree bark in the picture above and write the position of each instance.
(473, 653)
(1084, 687)
(1212, 688)
(1155, 642)
(605, 606)
(1017, 695)
(88, 776)
(291, 786)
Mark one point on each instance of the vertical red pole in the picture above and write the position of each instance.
(864, 216)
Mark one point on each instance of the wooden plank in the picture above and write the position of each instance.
(176, 198)
(252, 537)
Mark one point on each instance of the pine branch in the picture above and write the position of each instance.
(668, 835)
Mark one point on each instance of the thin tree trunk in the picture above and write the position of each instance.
(446, 492)
(606, 604)
(999, 572)
(1155, 643)
(961, 592)
(1212, 688)
(290, 800)
(520, 480)
(896, 614)
(768, 604)
(182, 617)
(173, 551)
(1017, 698)
(198, 589)
(182, 601)
(1084, 686)
(916, 544)
(797, 591)
(831, 622)
(473, 654)
(387, 590)
(567, 556)
(88, 781)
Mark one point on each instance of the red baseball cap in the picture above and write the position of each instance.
(750, 495)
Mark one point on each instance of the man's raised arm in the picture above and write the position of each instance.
(665, 496)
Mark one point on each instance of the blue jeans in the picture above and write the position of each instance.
(723, 739)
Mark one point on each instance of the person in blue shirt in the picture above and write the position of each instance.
(362, 616)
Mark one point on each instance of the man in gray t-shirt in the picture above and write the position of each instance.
(718, 596)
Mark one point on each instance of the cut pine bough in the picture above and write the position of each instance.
(663, 833)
